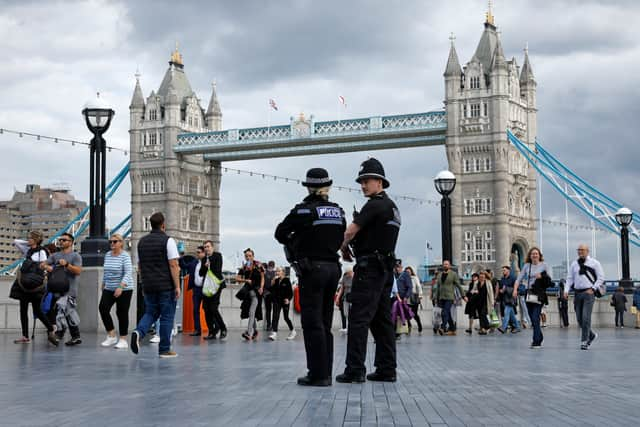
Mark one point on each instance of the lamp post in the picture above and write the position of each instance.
(624, 217)
(97, 115)
(445, 182)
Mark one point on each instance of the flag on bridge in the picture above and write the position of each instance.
(429, 247)
(342, 101)
(272, 103)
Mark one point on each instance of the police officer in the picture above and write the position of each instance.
(373, 235)
(313, 232)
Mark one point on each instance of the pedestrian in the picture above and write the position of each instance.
(65, 301)
(211, 304)
(619, 303)
(563, 304)
(34, 255)
(485, 302)
(473, 299)
(312, 233)
(447, 280)
(117, 288)
(635, 307)
(373, 234)
(505, 289)
(282, 294)
(586, 277)
(192, 267)
(536, 279)
(343, 298)
(269, 277)
(415, 299)
(160, 273)
(252, 275)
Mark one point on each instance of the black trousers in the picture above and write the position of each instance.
(370, 309)
(122, 310)
(197, 303)
(416, 316)
(35, 300)
(317, 288)
(277, 307)
(212, 314)
(563, 308)
(343, 315)
(269, 307)
(619, 318)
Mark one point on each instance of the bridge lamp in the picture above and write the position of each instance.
(624, 217)
(97, 115)
(445, 183)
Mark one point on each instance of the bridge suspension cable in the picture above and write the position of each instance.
(590, 201)
(56, 139)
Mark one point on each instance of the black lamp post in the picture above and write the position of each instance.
(445, 182)
(97, 115)
(624, 217)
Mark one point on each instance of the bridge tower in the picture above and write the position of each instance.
(185, 188)
(494, 205)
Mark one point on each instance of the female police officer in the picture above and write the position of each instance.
(373, 234)
(312, 234)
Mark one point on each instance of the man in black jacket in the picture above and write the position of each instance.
(213, 261)
(160, 274)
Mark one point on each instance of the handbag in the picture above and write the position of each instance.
(402, 328)
(634, 310)
(211, 284)
(494, 320)
(243, 292)
(58, 281)
(532, 298)
(16, 291)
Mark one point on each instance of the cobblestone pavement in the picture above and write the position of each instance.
(455, 381)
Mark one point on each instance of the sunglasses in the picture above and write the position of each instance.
(64, 240)
(113, 242)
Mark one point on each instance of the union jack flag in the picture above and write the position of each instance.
(273, 105)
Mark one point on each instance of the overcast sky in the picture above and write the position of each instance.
(383, 57)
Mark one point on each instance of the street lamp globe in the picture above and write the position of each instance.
(445, 182)
(97, 114)
(624, 216)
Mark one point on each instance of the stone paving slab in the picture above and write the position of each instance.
(454, 381)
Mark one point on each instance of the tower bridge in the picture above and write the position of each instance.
(177, 146)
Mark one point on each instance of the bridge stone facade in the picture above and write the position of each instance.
(177, 147)
(183, 187)
(494, 204)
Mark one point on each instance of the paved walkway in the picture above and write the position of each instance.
(455, 381)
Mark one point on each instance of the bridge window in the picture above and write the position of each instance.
(144, 139)
(475, 82)
(153, 114)
(478, 256)
(464, 110)
(486, 109)
(153, 139)
(145, 187)
(146, 223)
(487, 235)
(161, 186)
(487, 164)
(467, 165)
(193, 185)
(475, 110)
(205, 190)
(154, 187)
(476, 164)
(467, 211)
(467, 235)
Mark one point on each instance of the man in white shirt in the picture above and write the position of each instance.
(586, 278)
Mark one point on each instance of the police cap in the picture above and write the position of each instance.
(372, 168)
(317, 177)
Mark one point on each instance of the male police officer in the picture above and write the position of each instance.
(374, 233)
(313, 232)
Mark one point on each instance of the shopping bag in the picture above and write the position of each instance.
(494, 320)
(402, 327)
(211, 284)
(634, 310)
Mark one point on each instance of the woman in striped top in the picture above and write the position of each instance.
(117, 288)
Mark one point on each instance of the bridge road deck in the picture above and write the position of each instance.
(454, 381)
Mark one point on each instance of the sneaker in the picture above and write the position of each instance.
(535, 346)
(109, 341)
(592, 338)
(350, 378)
(174, 331)
(223, 334)
(273, 336)
(168, 355)
(121, 345)
(292, 335)
(584, 347)
(377, 376)
(246, 336)
(23, 340)
(343, 330)
(135, 342)
(73, 341)
(155, 339)
(621, 326)
(468, 331)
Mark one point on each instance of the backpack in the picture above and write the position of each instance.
(30, 276)
(58, 281)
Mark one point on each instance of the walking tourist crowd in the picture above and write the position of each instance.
(378, 294)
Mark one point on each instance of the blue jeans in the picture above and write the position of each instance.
(509, 316)
(583, 303)
(160, 305)
(447, 318)
(534, 314)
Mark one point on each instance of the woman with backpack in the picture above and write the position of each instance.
(29, 287)
(117, 288)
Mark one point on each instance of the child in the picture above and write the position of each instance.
(619, 302)
(636, 305)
